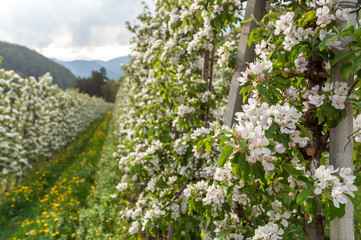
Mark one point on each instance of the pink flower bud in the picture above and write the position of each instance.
(268, 76)
(240, 150)
(261, 77)
(238, 132)
(302, 70)
(286, 70)
(292, 144)
(293, 99)
(291, 194)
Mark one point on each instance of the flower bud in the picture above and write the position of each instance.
(286, 70)
(291, 194)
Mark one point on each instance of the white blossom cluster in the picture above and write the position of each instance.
(327, 178)
(338, 94)
(268, 231)
(37, 118)
(256, 118)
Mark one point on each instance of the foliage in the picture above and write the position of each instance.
(30, 63)
(182, 169)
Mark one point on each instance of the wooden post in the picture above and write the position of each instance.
(245, 54)
(341, 150)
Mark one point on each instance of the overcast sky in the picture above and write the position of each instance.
(70, 29)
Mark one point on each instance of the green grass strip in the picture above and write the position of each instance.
(47, 203)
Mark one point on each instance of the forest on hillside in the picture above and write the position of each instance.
(30, 63)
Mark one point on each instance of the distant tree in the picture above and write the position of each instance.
(98, 85)
(93, 84)
(109, 90)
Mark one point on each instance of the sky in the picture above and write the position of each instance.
(70, 29)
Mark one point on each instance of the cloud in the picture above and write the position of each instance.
(69, 29)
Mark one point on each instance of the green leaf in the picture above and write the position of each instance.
(270, 15)
(357, 33)
(323, 44)
(253, 35)
(226, 152)
(308, 16)
(340, 56)
(189, 226)
(333, 116)
(200, 144)
(320, 115)
(305, 132)
(224, 233)
(291, 171)
(263, 91)
(336, 212)
(304, 195)
(247, 20)
(208, 145)
(241, 164)
(287, 200)
(235, 157)
(346, 70)
(223, 140)
(270, 132)
(258, 171)
(311, 207)
(246, 170)
(356, 63)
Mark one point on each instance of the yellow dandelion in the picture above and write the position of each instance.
(56, 219)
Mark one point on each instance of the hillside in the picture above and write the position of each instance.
(30, 63)
(83, 68)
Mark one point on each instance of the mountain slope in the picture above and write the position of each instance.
(30, 63)
(83, 68)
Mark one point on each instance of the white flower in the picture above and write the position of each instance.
(121, 186)
(338, 196)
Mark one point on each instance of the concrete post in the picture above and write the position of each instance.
(341, 151)
(245, 54)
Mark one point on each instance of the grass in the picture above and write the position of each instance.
(47, 203)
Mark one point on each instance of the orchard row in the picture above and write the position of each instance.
(37, 119)
(185, 175)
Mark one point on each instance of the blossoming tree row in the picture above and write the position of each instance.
(37, 118)
(185, 175)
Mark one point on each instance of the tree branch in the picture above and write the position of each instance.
(260, 208)
(176, 195)
(299, 5)
(352, 87)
